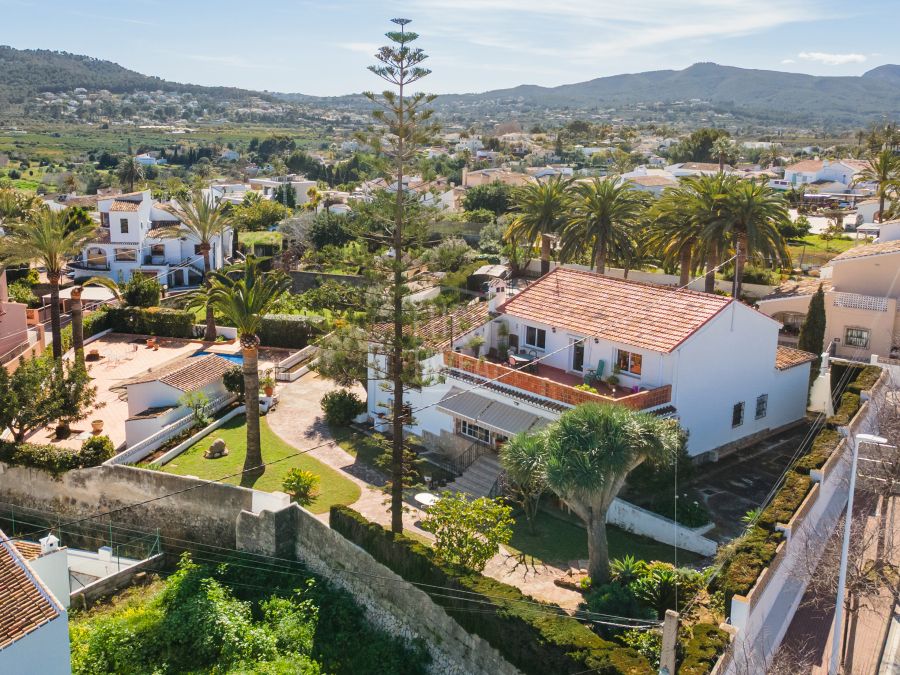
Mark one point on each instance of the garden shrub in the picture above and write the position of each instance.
(864, 380)
(57, 459)
(20, 291)
(95, 450)
(534, 641)
(744, 559)
(823, 446)
(341, 406)
(141, 291)
(617, 600)
(846, 410)
(233, 379)
(786, 501)
(302, 486)
(703, 649)
(159, 321)
(289, 330)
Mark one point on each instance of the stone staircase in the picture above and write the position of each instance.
(479, 478)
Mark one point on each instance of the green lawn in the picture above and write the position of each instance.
(333, 487)
(365, 448)
(250, 239)
(562, 541)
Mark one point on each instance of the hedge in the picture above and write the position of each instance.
(865, 380)
(824, 444)
(289, 330)
(786, 501)
(747, 557)
(703, 649)
(57, 459)
(849, 406)
(160, 321)
(532, 638)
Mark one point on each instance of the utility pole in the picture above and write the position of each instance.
(669, 641)
(834, 665)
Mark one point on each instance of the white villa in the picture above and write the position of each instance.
(837, 174)
(711, 362)
(34, 625)
(136, 237)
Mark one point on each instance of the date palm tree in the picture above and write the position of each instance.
(244, 294)
(206, 222)
(753, 214)
(50, 238)
(884, 170)
(540, 210)
(590, 451)
(723, 149)
(129, 171)
(602, 215)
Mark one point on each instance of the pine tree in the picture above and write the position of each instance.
(812, 332)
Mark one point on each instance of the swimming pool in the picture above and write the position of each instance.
(234, 358)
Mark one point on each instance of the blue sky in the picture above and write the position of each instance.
(323, 46)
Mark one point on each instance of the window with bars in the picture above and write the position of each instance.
(762, 406)
(857, 337)
(737, 414)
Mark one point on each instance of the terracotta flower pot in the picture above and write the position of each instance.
(97, 426)
(269, 391)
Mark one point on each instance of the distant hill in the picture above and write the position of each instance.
(794, 95)
(26, 72)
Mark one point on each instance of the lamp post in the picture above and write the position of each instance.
(834, 664)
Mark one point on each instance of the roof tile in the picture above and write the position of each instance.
(788, 357)
(188, 374)
(866, 250)
(24, 604)
(644, 315)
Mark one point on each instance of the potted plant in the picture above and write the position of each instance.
(267, 383)
(475, 343)
(97, 427)
(613, 381)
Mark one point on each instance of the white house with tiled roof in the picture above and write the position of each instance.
(862, 302)
(34, 626)
(136, 237)
(810, 172)
(713, 363)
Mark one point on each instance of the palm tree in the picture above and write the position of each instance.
(50, 238)
(524, 459)
(603, 213)
(723, 149)
(753, 214)
(243, 294)
(590, 451)
(205, 221)
(883, 169)
(129, 171)
(540, 211)
(677, 228)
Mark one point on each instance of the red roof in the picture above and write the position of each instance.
(788, 357)
(25, 605)
(654, 317)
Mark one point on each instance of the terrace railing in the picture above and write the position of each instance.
(550, 389)
(468, 456)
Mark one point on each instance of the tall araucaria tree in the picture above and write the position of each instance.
(48, 238)
(244, 294)
(405, 128)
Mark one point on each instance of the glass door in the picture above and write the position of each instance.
(577, 349)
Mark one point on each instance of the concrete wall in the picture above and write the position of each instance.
(53, 570)
(205, 514)
(395, 605)
(86, 596)
(640, 521)
(44, 651)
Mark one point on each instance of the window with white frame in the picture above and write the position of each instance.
(535, 337)
(628, 362)
(480, 434)
(762, 406)
(737, 414)
(857, 337)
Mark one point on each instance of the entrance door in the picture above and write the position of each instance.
(577, 355)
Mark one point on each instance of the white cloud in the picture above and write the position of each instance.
(361, 47)
(788, 61)
(832, 59)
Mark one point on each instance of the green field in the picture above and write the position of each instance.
(265, 238)
(333, 487)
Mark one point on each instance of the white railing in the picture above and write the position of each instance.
(305, 357)
(143, 448)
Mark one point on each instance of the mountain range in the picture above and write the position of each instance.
(771, 95)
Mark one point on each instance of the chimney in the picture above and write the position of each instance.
(465, 177)
(496, 294)
(49, 544)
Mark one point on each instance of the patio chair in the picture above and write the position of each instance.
(597, 374)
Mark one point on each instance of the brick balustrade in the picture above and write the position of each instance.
(556, 391)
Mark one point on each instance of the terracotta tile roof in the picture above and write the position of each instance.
(703, 166)
(869, 249)
(28, 549)
(122, 205)
(793, 289)
(788, 357)
(806, 165)
(188, 374)
(25, 605)
(650, 181)
(435, 332)
(644, 315)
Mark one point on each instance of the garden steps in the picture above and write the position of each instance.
(479, 478)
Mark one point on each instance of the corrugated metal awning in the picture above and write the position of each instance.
(501, 417)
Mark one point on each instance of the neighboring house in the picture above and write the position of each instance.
(827, 175)
(233, 193)
(862, 290)
(154, 399)
(696, 169)
(14, 337)
(268, 186)
(148, 159)
(34, 625)
(136, 237)
(230, 155)
(713, 363)
(653, 181)
(487, 176)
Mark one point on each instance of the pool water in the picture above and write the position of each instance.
(234, 358)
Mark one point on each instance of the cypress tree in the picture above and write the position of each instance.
(812, 332)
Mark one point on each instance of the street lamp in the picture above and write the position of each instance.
(856, 440)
